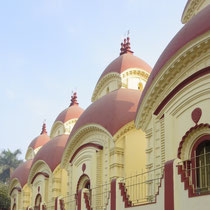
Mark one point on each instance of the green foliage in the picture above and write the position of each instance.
(8, 162)
(4, 197)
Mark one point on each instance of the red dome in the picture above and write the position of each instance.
(51, 153)
(21, 172)
(124, 62)
(40, 140)
(112, 111)
(72, 112)
(197, 26)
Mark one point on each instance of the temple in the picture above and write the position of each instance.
(142, 144)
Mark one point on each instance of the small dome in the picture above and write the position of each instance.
(21, 172)
(51, 152)
(197, 26)
(125, 61)
(72, 112)
(40, 140)
(112, 111)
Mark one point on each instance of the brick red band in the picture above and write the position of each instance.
(169, 185)
(113, 194)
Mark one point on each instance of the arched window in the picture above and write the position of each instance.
(201, 165)
(38, 201)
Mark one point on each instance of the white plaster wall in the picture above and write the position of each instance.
(181, 198)
(159, 205)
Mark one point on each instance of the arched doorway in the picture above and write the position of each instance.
(38, 201)
(201, 164)
(83, 182)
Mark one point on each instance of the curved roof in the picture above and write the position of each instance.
(72, 112)
(112, 111)
(197, 26)
(124, 62)
(21, 172)
(39, 141)
(51, 152)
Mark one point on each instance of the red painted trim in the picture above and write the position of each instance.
(180, 87)
(81, 177)
(97, 146)
(187, 134)
(56, 203)
(15, 188)
(39, 173)
(87, 201)
(169, 185)
(37, 196)
(113, 194)
(128, 203)
(79, 200)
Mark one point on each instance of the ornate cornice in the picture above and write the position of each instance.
(125, 129)
(193, 52)
(80, 133)
(135, 72)
(190, 137)
(103, 81)
(190, 10)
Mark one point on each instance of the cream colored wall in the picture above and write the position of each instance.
(29, 154)
(132, 77)
(60, 128)
(134, 149)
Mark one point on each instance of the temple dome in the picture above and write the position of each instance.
(72, 112)
(125, 61)
(112, 111)
(40, 140)
(21, 172)
(51, 153)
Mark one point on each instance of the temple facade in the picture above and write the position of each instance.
(142, 144)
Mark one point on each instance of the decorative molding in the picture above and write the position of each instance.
(135, 72)
(40, 173)
(97, 146)
(190, 9)
(190, 137)
(179, 65)
(15, 188)
(179, 87)
(78, 139)
(104, 80)
(124, 130)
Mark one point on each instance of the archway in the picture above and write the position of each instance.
(201, 164)
(38, 201)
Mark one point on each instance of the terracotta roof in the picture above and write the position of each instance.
(124, 62)
(52, 151)
(112, 111)
(21, 172)
(72, 112)
(197, 26)
(39, 141)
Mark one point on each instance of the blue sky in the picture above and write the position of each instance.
(50, 47)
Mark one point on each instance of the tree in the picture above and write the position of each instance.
(4, 197)
(8, 162)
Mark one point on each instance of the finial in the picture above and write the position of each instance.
(44, 131)
(125, 46)
(74, 99)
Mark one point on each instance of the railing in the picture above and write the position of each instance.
(196, 172)
(141, 188)
(99, 196)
